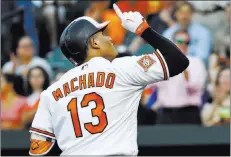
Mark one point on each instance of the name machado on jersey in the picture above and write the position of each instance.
(85, 81)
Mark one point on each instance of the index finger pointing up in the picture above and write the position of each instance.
(118, 11)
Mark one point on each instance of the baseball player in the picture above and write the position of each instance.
(92, 109)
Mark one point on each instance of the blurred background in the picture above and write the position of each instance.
(187, 115)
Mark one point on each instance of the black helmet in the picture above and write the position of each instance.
(73, 41)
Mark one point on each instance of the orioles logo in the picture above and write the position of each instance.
(40, 147)
(146, 62)
(34, 145)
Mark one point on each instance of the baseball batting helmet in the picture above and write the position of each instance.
(74, 39)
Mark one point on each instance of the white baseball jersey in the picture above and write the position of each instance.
(92, 109)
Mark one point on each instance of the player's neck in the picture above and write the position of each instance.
(89, 58)
(96, 53)
(92, 54)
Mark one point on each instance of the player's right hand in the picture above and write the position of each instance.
(132, 21)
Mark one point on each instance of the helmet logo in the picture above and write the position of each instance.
(73, 61)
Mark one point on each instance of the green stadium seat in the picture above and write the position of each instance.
(145, 49)
(58, 61)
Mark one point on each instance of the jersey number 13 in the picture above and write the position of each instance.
(96, 112)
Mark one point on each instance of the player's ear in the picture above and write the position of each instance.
(94, 43)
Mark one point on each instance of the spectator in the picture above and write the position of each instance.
(115, 23)
(6, 24)
(213, 69)
(180, 97)
(12, 104)
(207, 11)
(218, 112)
(222, 40)
(29, 21)
(96, 9)
(201, 39)
(100, 11)
(25, 59)
(221, 56)
(37, 81)
(53, 15)
(160, 21)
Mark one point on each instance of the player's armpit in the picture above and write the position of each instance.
(40, 145)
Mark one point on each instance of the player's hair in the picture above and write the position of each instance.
(16, 81)
(46, 82)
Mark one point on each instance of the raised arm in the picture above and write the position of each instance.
(176, 61)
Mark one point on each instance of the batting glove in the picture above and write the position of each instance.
(132, 21)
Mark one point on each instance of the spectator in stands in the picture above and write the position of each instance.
(221, 55)
(96, 9)
(100, 11)
(218, 112)
(213, 69)
(207, 11)
(222, 40)
(179, 98)
(12, 103)
(6, 34)
(29, 21)
(37, 81)
(201, 40)
(51, 15)
(160, 21)
(25, 59)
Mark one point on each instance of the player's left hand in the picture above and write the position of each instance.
(131, 21)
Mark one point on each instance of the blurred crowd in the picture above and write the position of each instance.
(31, 59)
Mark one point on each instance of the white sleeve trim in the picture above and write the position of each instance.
(163, 64)
(43, 134)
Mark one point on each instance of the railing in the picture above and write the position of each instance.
(147, 136)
